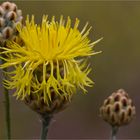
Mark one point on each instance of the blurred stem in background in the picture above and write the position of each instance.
(46, 119)
(7, 107)
(114, 132)
(7, 113)
(10, 16)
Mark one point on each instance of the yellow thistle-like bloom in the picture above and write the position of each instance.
(46, 47)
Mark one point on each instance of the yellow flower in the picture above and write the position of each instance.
(52, 57)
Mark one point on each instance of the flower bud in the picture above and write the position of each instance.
(1, 12)
(2, 22)
(13, 7)
(19, 12)
(10, 16)
(7, 32)
(6, 5)
(118, 109)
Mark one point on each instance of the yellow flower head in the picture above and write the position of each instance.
(52, 57)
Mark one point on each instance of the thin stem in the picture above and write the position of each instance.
(114, 132)
(7, 108)
(45, 126)
(7, 113)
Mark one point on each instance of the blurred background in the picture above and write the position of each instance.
(118, 66)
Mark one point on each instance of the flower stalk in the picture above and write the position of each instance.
(7, 108)
(46, 119)
(114, 132)
(7, 113)
(10, 16)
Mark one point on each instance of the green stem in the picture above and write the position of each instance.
(114, 132)
(45, 126)
(7, 108)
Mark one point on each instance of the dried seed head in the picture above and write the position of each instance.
(118, 109)
(57, 103)
(10, 16)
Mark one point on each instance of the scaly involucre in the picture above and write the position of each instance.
(53, 56)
